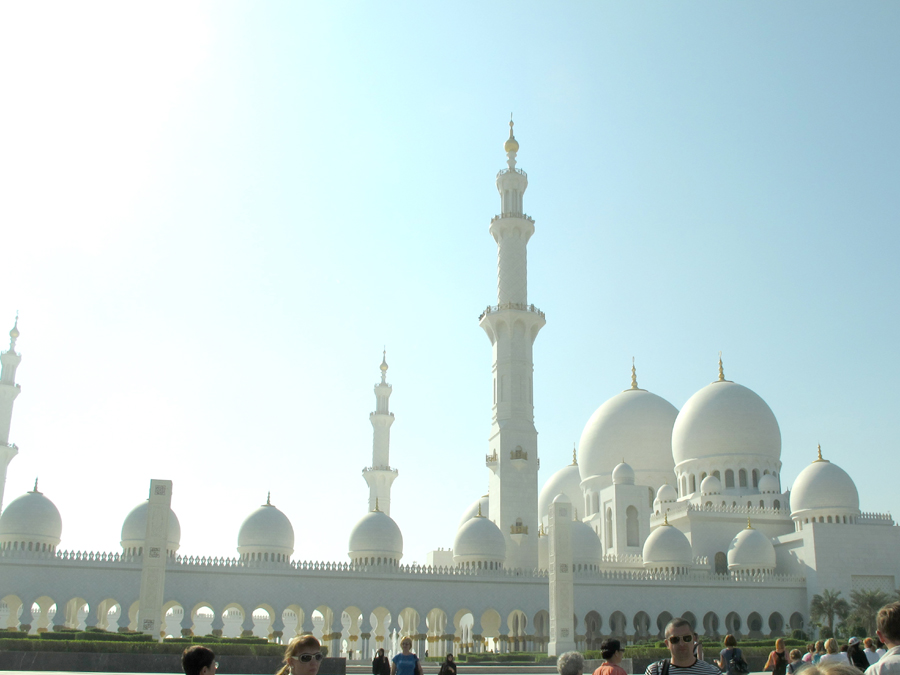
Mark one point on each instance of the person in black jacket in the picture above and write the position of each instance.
(856, 655)
(380, 664)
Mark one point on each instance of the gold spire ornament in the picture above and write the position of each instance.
(634, 384)
(721, 369)
(749, 526)
(376, 504)
(574, 456)
(666, 518)
(820, 458)
(479, 511)
(511, 145)
(269, 499)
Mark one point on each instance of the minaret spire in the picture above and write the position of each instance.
(9, 390)
(512, 326)
(721, 369)
(634, 384)
(379, 476)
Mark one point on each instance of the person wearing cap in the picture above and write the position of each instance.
(855, 654)
(888, 623)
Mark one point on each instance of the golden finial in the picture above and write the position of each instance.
(749, 526)
(479, 511)
(541, 532)
(511, 145)
(35, 486)
(14, 333)
(820, 458)
(376, 504)
(269, 499)
(721, 369)
(666, 518)
(633, 375)
(574, 456)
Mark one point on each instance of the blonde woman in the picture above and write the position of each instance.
(302, 656)
(778, 659)
(833, 653)
(406, 663)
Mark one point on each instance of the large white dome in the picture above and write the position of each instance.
(566, 481)
(479, 540)
(635, 426)
(484, 502)
(376, 537)
(667, 546)
(31, 519)
(825, 489)
(266, 530)
(134, 529)
(586, 546)
(751, 550)
(725, 420)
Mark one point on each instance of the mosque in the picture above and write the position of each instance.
(675, 512)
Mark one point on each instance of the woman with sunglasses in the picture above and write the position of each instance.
(302, 656)
(612, 653)
(406, 663)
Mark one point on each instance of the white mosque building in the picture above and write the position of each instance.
(677, 512)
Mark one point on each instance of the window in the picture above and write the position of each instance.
(693, 483)
(729, 478)
(742, 478)
(631, 526)
(608, 528)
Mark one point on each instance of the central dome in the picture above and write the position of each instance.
(134, 529)
(566, 481)
(376, 539)
(266, 530)
(725, 419)
(635, 426)
(479, 540)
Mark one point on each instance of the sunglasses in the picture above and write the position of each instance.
(684, 638)
(306, 658)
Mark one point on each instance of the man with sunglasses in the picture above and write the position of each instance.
(680, 642)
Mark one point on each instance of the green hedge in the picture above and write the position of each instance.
(132, 647)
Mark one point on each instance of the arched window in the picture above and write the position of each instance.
(702, 476)
(776, 504)
(716, 474)
(755, 477)
(762, 504)
(683, 486)
(721, 563)
(631, 526)
(829, 519)
(729, 478)
(742, 478)
(596, 502)
(693, 483)
(608, 528)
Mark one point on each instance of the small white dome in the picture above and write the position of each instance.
(266, 530)
(667, 546)
(566, 481)
(825, 487)
(586, 546)
(479, 540)
(711, 486)
(768, 484)
(484, 502)
(751, 550)
(634, 424)
(725, 420)
(31, 519)
(666, 493)
(134, 529)
(623, 474)
(376, 535)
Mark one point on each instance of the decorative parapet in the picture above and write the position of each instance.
(521, 306)
(518, 453)
(492, 459)
(518, 529)
(875, 519)
(676, 509)
(518, 171)
(380, 468)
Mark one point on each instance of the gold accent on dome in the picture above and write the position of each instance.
(384, 365)
(376, 505)
(721, 369)
(269, 499)
(35, 490)
(820, 458)
(14, 333)
(634, 384)
(666, 517)
(511, 145)
(574, 456)
(478, 515)
(749, 526)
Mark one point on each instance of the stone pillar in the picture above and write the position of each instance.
(218, 622)
(153, 565)
(187, 622)
(562, 585)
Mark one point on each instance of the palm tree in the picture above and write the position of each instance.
(866, 605)
(828, 606)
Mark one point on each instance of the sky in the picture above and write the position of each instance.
(215, 216)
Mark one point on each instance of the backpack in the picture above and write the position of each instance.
(737, 663)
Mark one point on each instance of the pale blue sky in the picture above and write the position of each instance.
(214, 216)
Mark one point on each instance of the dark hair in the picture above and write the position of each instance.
(295, 645)
(795, 654)
(730, 641)
(196, 658)
(608, 648)
(888, 621)
(678, 623)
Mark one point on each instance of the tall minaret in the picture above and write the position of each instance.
(380, 475)
(8, 391)
(512, 325)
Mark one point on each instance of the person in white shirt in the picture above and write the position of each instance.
(870, 652)
(833, 654)
(888, 623)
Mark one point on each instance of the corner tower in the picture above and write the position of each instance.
(9, 390)
(380, 475)
(512, 325)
